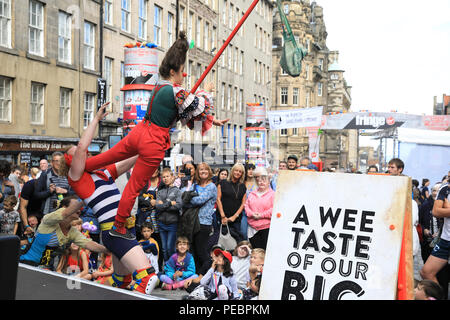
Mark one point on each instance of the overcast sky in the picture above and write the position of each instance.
(396, 53)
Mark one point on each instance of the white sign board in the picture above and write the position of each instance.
(297, 118)
(334, 236)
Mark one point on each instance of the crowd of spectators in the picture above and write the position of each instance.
(179, 222)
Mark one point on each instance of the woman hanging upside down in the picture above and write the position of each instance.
(150, 139)
(98, 190)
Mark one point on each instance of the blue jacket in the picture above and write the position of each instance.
(187, 267)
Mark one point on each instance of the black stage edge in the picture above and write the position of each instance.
(9, 258)
(38, 284)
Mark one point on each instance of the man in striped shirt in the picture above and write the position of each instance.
(51, 187)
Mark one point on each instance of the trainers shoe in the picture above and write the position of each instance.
(127, 235)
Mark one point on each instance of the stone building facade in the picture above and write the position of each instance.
(48, 78)
(49, 53)
(321, 83)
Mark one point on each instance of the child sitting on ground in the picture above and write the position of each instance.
(252, 292)
(241, 263)
(179, 267)
(74, 262)
(150, 245)
(219, 282)
(105, 270)
(256, 264)
(428, 290)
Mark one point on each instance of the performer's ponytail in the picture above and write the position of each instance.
(175, 57)
(65, 163)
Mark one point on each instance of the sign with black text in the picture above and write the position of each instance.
(101, 92)
(335, 236)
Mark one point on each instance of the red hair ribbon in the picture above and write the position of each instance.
(68, 159)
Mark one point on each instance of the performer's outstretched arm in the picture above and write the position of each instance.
(125, 165)
(80, 155)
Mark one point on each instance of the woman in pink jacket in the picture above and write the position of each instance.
(258, 208)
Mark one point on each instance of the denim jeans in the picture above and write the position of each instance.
(168, 233)
(244, 225)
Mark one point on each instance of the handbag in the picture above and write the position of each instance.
(226, 241)
(436, 239)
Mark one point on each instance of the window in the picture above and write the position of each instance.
(198, 71)
(190, 26)
(189, 72)
(240, 137)
(64, 37)
(89, 45)
(235, 135)
(37, 103)
(235, 60)
(241, 100)
(284, 95)
(181, 22)
(241, 62)
(230, 16)
(222, 95)
(109, 12)
(170, 20)
(88, 113)
(64, 107)
(235, 98)
(295, 131)
(157, 26)
(206, 44)
(228, 135)
(36, 29)
(307, 101)
(284, 132)
(126, 15)
(229, 56)
(213, 39)
(198, 39)
(224, 12)
(142, 28)
(295, 97)
(108, 77)
(5, 23)
(5, 99)
(321, 64)
(319, 89)
(229, 98)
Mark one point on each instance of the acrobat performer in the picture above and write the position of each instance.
(150, 139)
(99, 191)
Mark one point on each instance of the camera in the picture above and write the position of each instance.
(187, 174)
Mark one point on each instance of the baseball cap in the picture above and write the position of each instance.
(226, 254)
(217, 246)
(293, 157)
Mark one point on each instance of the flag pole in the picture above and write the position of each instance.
(230, 37)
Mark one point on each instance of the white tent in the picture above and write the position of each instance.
(426, 153)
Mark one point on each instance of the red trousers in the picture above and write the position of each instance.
(147, 140)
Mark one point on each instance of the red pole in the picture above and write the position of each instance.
(230, 37)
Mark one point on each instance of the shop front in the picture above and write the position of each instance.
(28, 151)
